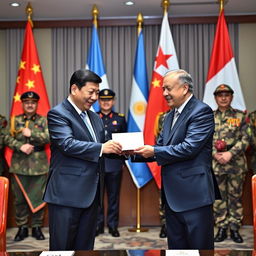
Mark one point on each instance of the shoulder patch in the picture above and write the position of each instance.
(120, 114)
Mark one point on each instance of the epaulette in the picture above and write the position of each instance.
(120, 114)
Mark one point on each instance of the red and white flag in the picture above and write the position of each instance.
(29, 78)
(222, 69)
(166, 60)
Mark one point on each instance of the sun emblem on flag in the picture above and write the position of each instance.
(139, 108)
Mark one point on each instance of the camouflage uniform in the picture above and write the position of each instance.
(3, 124)
(231, 126)
(29, 171)
(252, 119)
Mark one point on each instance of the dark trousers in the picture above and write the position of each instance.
(193, 229)
(72, 228)
(112, 181)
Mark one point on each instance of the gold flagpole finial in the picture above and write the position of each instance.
(95, 14)
(139, 22)
(165, 4)
(221, 5)
(29, 12)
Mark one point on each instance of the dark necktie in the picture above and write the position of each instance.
(83, 116)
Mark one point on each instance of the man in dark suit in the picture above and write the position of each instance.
(113, 122)
(184, 151)
(74, 184)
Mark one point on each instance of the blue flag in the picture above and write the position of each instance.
(95, 62)
(136, 116)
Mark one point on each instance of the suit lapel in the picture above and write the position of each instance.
(179, 121)
(71, 109)
(94, 125)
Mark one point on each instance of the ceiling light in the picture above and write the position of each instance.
(14, 4)
(129, 3)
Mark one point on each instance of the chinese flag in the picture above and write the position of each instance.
(222, 68)
(29, 78)
(166, 60)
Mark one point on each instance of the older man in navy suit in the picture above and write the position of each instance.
(184, 150)
(74, 183)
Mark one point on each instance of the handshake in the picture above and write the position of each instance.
(128, 144)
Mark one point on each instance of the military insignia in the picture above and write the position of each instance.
(120, 114)
(233, 122)
(105, 92)
(114, 122)
(30, 95)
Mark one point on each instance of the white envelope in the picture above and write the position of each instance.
(129, 140)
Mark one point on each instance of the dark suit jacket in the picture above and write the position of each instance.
(75, 167)
(185, 154)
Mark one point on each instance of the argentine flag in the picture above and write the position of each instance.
(95, 62)
(136, 116)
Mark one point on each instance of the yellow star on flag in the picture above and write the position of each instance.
(156, 83)
(22, 64)
(16, 97)
(36, 68)
(30, 84)
(18, 80)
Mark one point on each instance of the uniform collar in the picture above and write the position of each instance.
(110, 114)
(31, 118)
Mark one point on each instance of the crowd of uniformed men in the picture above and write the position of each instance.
(27, 135)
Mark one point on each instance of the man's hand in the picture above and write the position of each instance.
(112, 147)
(145, 151)
(27, 148)
(223, 157)
(26, 132)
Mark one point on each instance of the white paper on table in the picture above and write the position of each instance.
(182, 253)
(129, 140)
(57, 253)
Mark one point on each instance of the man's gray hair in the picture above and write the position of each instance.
(183, 76)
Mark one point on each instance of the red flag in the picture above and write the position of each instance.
(166, 59)
(222, 68)
(29, 78)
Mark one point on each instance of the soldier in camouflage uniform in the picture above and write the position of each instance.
(27, 136)
(229, 163)
(252, 119)
(3, 124)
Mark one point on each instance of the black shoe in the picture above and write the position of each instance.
(163, 232)
(235, 236)
(221, 235)
(37, 233)
(99, 230)
(114, 232)
(21, 234)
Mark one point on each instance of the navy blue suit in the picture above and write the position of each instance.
(113, 123)
(185, 154)
(75, 176)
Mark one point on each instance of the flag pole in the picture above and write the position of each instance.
(29, 11)
(221, 5)
(165, 4)
(95, 14)
(138, 227)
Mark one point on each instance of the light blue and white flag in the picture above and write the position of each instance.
(95, 62)
(136, 116)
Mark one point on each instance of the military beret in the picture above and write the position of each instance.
(223, 88)
(106, 94)
(29, 96)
